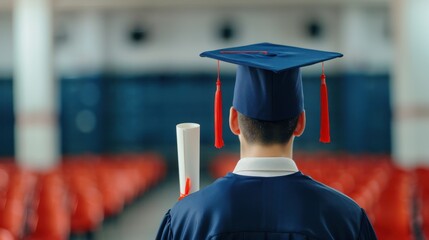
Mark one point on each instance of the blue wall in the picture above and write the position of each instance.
(360, 114)
(81, 114)
(366, 113)
(6, 118)
(111, 113)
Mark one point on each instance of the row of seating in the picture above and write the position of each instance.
(384, 190)
(75, 197)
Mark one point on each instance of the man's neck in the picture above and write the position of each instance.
(258, 150)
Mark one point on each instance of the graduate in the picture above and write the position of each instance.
(266, 196)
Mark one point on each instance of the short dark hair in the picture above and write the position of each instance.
(267, 132)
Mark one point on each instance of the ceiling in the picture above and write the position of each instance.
(107, 4)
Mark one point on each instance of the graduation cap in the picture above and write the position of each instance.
(268, 83)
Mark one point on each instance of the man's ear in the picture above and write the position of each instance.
(233, 121)
(300, 126)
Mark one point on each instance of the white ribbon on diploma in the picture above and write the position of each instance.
(188, 150)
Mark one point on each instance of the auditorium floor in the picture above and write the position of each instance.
(141, 219)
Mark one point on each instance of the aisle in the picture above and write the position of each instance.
(140, 220)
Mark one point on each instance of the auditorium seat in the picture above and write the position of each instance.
(16, 199)
(5, 234)
(112, 194)
(52, 208)
(392, 213)
(85, 197)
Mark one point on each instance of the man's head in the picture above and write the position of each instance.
(258, 132)
(268, 89)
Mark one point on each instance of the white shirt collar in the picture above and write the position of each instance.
(265, 166)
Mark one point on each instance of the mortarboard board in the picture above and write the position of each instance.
(268, 83)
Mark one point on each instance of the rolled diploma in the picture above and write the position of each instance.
(188, 150)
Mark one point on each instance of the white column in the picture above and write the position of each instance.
(410, 88)
(36, 133)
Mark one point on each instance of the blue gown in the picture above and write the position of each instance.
(291, 207)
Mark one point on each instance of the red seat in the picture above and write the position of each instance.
(86, 201)
(5, 234)
(53, 209)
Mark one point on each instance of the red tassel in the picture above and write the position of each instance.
(324, 111)
(187, 189)
(218, 112)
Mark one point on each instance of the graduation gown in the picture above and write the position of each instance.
(266, 208)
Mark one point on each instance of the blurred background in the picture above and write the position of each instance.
(91, 92)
